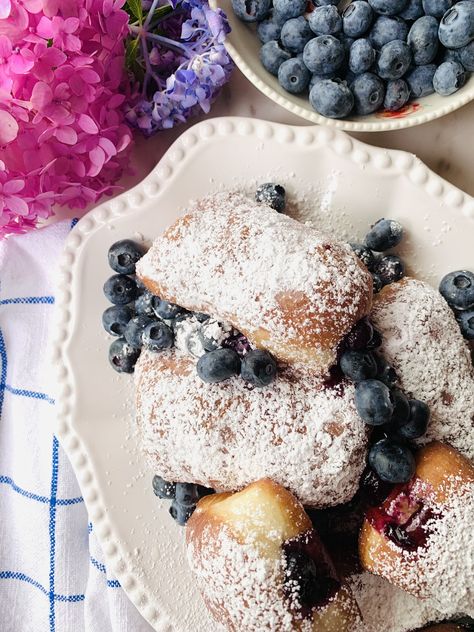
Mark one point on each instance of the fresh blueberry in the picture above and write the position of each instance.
(157, 336)
(364, 253)
(389, 268)
(466, 323)
(323, 54)
(163, 489)
(123, 356)
(447, 54)
(270, 28)
(289, 8)
(377, 284)
(238, 343)
(359, 336)
(369, 93)
(346, 42)
(325, 20)
(449, 77)
(124, 254)
(218, 365)
(386, 29)
(401, 410)
(376, 340)
(373, 402)
(385, 372)
(295, 34)
(322, 3)
(423, 40)
(293, 76)
(397, 94)
(388, 7)
(165, 309)
(272, 55)
(331, 98)
(358, 365)
(315, 78)
(466, 56)
(180, 513)
(116, 318)
(271, 194)
(187, 494)
(392, 462)
(144, 304)
(258, 368)
(357, 18)
(120, 289)
(361, 56)
(457, 288)
(394, 60)
(412, 11)
(251, 10)
(456, 28)
(213, 334)
(437, 8)
(133, 333)
(420, 80)
(418, 419)
(384, 234)
(200, 317)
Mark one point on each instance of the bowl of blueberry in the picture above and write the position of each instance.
(365, 65)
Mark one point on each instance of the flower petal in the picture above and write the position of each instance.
(87, 124)
(5, 8)
(66, 135)
(16, 204)
(14, 186)
(8, 128)
(41, 95)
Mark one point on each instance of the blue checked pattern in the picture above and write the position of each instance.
(52, 573)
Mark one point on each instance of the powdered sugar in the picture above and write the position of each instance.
(421, 339)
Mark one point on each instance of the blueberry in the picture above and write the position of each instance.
(163, 489)
(357, 18)
(258, 368)
(133, 333)
(187, 494)
(289, 8)
(397, 94)
(165, 309)
(369, 93)
(293, 76)
(271, 194)
(272, 56)
(364, 253)
(295, 34)
(346, 42)
(361, 56)
(157, 336)
(200, 317)
(401, 410)
(385, 372)
(449, 77)
(392, 462)
(437, 8)
(466, 56)
(420, 80)
(456, 28)
(322, 3)
(423, 40)
(358, 365)
(323, 54)
(384, 234)
(124, 254)
(251, 10)
(386, 29)
(218, 365)
(331, 98)
(123, 356)
(417, 422)
(413, 10)
(325, 20)
(375, 341)
(359, 336)
(394, 60)
(466, 323)
(120, 289)
(270, 28)
(447, 54)
(373, 402)
(180, 513)
(144, 304)
(388, 7)
(457, 288)
(116, 318)
(377, 284)
(212, 334)
(389, 268)
(315, 78)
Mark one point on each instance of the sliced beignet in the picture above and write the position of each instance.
(287, 287)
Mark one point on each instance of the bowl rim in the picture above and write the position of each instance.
(418, 118)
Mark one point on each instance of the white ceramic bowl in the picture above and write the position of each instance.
(243, 45)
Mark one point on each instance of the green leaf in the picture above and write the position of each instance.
(134, 7)
(131, 52)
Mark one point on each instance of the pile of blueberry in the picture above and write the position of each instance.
(457, 288)
(185, 497)
(373, 54)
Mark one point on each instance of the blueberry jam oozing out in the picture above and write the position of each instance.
(309, 572)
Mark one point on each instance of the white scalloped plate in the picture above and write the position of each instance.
(347, 184)
(244, 46)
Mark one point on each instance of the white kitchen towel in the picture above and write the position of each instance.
(52, 574)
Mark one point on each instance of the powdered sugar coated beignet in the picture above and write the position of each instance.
(421, 339)
(302, 435)
(287, 287)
